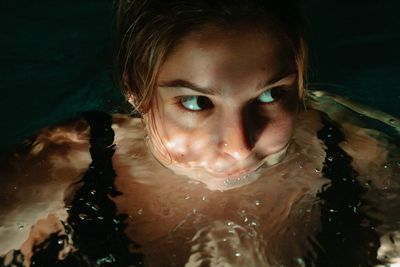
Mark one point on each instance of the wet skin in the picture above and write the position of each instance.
(225, 101)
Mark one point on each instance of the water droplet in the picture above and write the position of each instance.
(392, 121)
(100, 217)
(139, 211)
(246, 219)
(253, 223)
(187, 197)
(317, 171)
(60, 241)
(300, 262)
(204, 198)
(230, 223)
(194, 211)
(92, 191)
(329, 135)
(385, 166)
(15, 188)
(95, 207)
(329, 158)
(108, 259)
(257, 202)
(82, 216)
(21, 227)
(237, 254)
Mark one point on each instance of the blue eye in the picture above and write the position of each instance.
(195, 103)
(269, 96)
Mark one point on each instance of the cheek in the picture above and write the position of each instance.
(184, 144)
(188, 147)
(277, 132)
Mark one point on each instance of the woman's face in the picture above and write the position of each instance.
(224, 106)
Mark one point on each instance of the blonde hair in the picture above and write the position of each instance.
(147, 30)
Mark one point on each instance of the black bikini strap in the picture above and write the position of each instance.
(347, 237)
(98, 228)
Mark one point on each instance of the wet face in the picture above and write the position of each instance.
(224, 107)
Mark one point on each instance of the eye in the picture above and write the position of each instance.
(195, 103)
(269, 96)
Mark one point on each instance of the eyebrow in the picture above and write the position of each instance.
(189, 85)
(212, 91)
(274, 82)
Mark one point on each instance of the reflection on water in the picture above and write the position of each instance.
(333, 201)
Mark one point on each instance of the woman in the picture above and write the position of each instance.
(227, 164)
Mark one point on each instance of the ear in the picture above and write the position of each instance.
(127, 89)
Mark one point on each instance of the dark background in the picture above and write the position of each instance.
(55, 58)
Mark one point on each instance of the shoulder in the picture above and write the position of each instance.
(372, 140)
(374, 153)
(35, 176)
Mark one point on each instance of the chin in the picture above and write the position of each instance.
(230, 182)
(217, 183)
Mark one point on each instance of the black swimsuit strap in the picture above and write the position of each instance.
(93, 215)
(96, 227)
(347, 237)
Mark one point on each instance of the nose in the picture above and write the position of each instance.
(234, 138)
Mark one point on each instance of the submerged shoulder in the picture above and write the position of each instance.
(35, 176)
(375, 154)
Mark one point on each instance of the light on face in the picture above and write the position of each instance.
(176, 145)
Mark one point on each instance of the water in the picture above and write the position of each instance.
(333, 200)
(73, 56)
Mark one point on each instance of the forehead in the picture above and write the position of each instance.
(239, 55)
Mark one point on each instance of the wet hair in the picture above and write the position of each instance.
(147, 30)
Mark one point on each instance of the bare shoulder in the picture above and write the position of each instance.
(35, 176)
(376, 159)
(375, 154)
